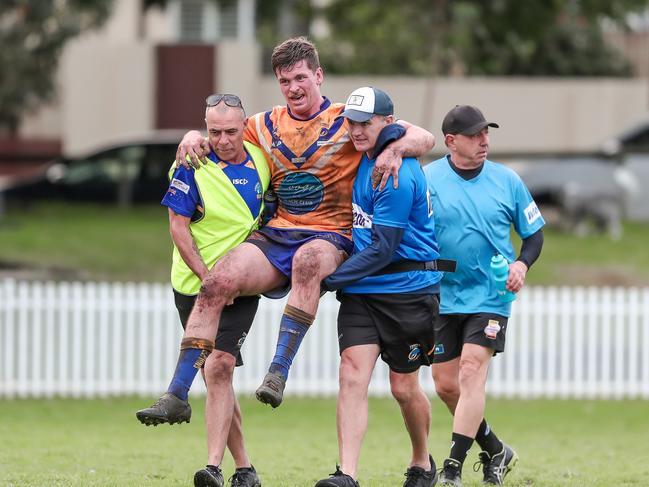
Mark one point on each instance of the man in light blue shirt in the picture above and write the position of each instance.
(476, 202)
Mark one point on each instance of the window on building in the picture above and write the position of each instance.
(206, 20)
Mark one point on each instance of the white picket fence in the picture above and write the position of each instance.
(103, 339)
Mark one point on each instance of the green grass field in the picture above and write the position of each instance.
(99, 443)
(91, 242)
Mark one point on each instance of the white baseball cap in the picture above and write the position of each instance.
(365, 102)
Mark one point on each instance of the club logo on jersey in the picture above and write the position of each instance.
(532, 213)
(300, 192)
(415, 352)
(258, 191)
(361, 219)
(178, 184)
(322, 139)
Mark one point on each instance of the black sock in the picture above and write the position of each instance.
(460, 446)
(488, 440)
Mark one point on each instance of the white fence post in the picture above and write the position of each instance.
(100, 339)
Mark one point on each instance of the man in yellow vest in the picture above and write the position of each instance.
(211, 210)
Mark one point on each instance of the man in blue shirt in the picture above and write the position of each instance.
(476, 202)
(384, 313)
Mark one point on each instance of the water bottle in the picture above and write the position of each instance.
(270, 206)
(499, 273)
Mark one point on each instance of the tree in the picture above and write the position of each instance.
(32, 36)
(476, 37)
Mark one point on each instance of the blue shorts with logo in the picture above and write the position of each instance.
(279, 247)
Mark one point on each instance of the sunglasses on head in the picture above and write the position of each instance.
(229, 100)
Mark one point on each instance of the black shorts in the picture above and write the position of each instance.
(400, 324)
(235, 323)
(454, 330)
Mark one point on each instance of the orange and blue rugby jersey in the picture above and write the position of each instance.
(313, 164)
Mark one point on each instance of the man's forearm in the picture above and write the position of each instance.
(385, 241)
(531, 248)
(416, 142)
(187, 248)
(192, 257)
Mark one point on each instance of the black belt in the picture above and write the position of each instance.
(444, 265)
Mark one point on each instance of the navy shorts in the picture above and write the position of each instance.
(279, 247)
(452, 331)
(234, 325)
(402, 325)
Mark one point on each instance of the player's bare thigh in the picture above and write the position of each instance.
(315, 260)
(244, 271)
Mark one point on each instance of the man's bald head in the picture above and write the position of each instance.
(225, 125)
(222, 108)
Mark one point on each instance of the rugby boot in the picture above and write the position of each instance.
(495, 468)
(210, 476)
(245, 477)
(271, 390)
(451, 473)
(338, 479)
(167, 409)
(418, 477)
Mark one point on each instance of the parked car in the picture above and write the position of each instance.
(576, 193)
(131, 171)
(592, 192)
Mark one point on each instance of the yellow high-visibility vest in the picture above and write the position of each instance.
(226, 221)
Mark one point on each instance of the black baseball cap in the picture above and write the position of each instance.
(465, 120)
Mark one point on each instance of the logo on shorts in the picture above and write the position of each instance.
(439, 349)
(415, 352)
(241, 340)
(492, 329)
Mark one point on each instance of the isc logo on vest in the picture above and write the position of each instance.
(240, 181)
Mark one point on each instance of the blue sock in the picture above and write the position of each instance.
(185, 373)
(291, 333)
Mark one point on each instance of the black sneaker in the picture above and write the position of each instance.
(271, 390)
(167, 409)
(451, 473)
(338, 479)
(245, 477)
(210, 476)
(418, 477)
(495, 468)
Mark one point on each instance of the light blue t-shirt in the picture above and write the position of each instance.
(407, 207)
(472, 221)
